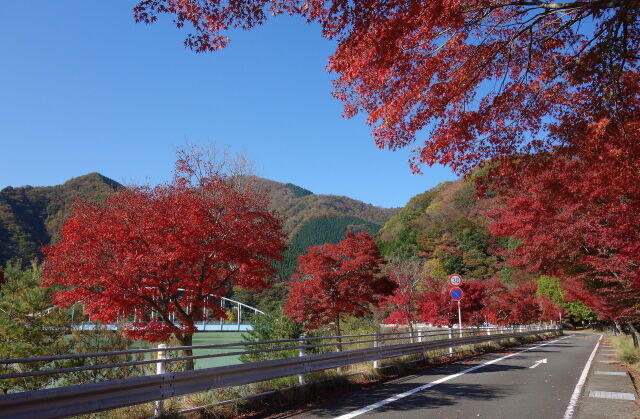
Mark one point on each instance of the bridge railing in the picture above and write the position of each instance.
(302, 356)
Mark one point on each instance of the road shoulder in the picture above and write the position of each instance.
(608, 391)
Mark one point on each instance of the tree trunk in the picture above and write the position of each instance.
(618, 327)
(187, 340)
(411, 331)
(634, 334)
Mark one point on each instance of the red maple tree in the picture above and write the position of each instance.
(164, 254)
(520, 305)
(333, 280)
(549, 311)
(579, 219)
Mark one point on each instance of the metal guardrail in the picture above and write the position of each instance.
(96, 397)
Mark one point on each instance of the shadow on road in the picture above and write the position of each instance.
(441, 395)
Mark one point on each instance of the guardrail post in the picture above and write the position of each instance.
(419, 332)
(561, 324)
(376, 344)
(301, 352)
(450, 337)
(160, 369)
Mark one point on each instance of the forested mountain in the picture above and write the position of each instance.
(298, 206)
(31, 216)
(445, 227)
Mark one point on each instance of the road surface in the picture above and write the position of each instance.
(530, 381)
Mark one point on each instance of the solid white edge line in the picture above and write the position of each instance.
(573, 402)
(436, 382)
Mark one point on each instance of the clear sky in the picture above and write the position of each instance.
(83, 88)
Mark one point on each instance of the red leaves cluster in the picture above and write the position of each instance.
(483, 301)
(579, 218)
(159, 252)
(439, 308)
(337, 279)
(486, 78)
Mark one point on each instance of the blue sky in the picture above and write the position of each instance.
(85, 89)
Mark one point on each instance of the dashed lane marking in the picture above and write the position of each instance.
(611, 395)
(610, 373)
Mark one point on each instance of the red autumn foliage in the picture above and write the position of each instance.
(523, 304)
(497, 307)
(520, 305)
(337, 279)
(439, 308)
(486, 78)
(163, 250)
(549, 311)
(579, 219)
(488, 301)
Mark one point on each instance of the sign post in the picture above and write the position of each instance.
(459, 319)
(456, 294)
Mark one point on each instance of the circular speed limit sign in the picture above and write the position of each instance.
(455, 280)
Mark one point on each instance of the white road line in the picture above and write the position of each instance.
(436, 382)
(621, 373)
(611, 395)
(542, 361)
(573, 402)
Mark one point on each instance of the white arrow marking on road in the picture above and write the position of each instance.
(542, 361)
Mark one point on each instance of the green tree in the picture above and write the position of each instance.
(103, 339)
(271, 327)
(575, 311)
(29, 326)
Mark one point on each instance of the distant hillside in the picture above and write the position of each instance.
(297, 206)
(444, 226)
(31, 216)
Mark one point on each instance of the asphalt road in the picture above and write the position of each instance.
(500, 385)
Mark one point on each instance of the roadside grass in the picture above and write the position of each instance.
(629, 354)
